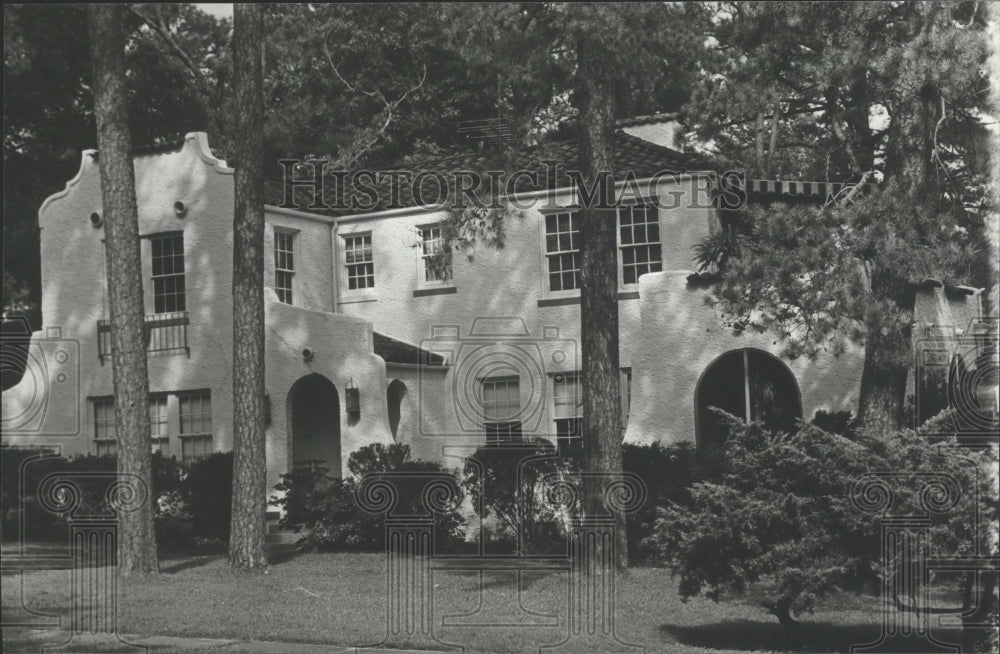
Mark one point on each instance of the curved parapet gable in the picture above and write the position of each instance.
(200, 140)
(197, 141)
(88, 160)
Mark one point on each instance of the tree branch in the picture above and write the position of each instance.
(164, 33)
(388, 106)
(774, 138)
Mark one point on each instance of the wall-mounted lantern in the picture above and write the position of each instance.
(353, 400)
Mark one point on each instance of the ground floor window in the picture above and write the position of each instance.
(105, 435)
(179, 424)
(567, 409)
(501, 410)
(195, 411)
(567, 398)
(626, 397)
(159, 424)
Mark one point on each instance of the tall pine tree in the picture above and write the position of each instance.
(246, 535)
(136, 538)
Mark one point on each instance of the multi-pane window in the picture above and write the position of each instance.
(626, 394)
(284, 265)
(358, 258)
(567, 394)
(435, 254)
(187, 415)
(159, 424)
(562, 249)
(105, 434)
(196, 425)
(501, 410)
(639, 228)
(168, 273)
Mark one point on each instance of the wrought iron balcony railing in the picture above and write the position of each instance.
(163, 332)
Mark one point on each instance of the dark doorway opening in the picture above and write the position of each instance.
(315, 422)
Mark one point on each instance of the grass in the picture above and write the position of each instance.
(340, 599)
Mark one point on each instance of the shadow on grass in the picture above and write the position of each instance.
(277, 558)
(751, 635)
(173, 566)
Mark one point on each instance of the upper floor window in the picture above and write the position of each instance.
(358, 258)
(567, 394)
(639, 229)
(562, 249)
(501, 410)
(195, 424)
(105, 432)
(435, 254)
(284, 265)
(168, 273)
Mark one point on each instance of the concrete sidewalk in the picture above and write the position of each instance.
(33, 640)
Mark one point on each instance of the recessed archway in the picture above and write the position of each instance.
(314, 421)
(750, 384)
(394, 396)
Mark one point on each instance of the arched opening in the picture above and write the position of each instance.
(750, 384)
(394, 396)
(315, 422)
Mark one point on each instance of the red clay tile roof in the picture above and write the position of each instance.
(633, 155)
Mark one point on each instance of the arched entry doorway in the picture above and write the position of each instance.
(394, 396)
(750, 384)
(315, 422)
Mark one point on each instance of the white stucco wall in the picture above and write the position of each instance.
(498, 302)
(342, 348)
(74, 297)
(511, 282)
(681, 336)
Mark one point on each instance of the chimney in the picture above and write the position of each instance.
(661, 129)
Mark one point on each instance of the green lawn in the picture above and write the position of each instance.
(340, 599)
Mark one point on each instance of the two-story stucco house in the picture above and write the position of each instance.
(368, 342)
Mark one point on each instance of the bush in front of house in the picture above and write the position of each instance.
(780, 524)
(207, 491)
(190, 501)
(326, 510)
(668, 473)
(503, 483)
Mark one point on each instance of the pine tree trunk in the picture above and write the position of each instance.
(246, 536)
(599, 283)
(883, 380)
(136, 538)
